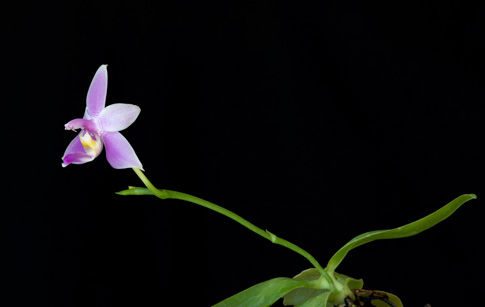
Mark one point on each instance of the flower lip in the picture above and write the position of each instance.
(91, 142)
(85, 147)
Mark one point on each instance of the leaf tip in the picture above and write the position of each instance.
(124, 192)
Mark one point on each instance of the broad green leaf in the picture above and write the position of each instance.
(317, 301)
(301, 295)
(263, 294)
(408, 230)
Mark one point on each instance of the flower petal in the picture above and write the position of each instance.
(86, 114)
(117, 117)
(96, 98)
(119, 152)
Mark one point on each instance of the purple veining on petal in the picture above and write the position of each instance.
(119, 152)
(118, 116)
(96, 97)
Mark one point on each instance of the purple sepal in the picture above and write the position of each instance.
(119, 152)
(96, 97)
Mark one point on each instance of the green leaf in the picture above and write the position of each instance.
(400, 232)
(263, 294)
(317, 301)
(299, 296)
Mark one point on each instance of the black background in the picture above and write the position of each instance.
(315, 120)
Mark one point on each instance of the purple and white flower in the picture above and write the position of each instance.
(101, 125)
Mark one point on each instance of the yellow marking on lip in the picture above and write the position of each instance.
(89, 144)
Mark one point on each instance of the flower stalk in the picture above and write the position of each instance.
(164, 194)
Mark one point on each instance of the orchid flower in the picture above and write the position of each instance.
(101, 125)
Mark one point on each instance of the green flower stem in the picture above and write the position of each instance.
(164, 194)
